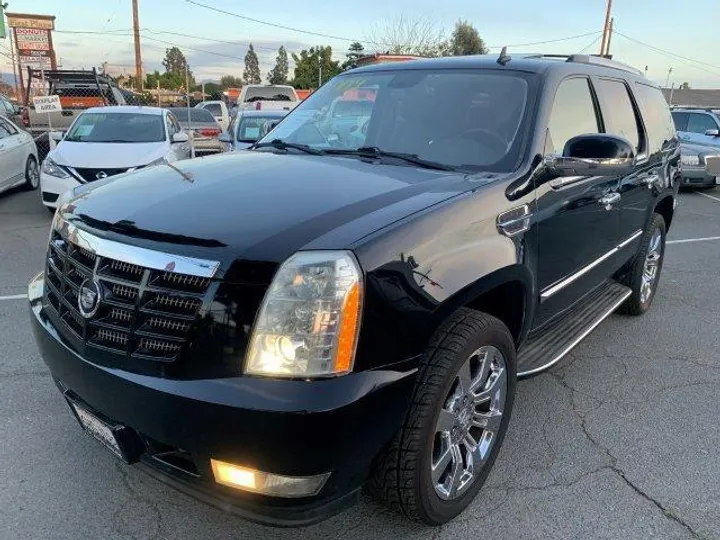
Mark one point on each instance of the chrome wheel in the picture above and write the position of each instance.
(651, 266)
(469, 422)
(32, 174)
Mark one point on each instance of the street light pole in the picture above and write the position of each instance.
(138, 58)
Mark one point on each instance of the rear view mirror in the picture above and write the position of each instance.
(594, 155)
(713, 133)
(180, 137)
(712, 165)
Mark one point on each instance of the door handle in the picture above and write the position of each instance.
(649, 181)
(608, 200)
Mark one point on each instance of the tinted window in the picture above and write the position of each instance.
(656, 113)
(196, 115)
(700, 123)
(250, 127)
(468, 119)
(681, 120)
(213, 108)
(117, 128)
(573, 114)
(618, 111)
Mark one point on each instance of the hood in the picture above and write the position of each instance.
(258, 205)
(107, 155)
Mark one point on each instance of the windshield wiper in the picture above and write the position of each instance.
(375, 152)
(282, 145)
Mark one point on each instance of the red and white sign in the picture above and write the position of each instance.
(33, 45)
(32, 34)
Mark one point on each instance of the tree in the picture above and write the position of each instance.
(174, 61)
(313, 66)
(465, 40)
(355, 51)
(685, 86)
(174, 76)
(279, 73)
(229, 81)
(251, 75)
(406, 35)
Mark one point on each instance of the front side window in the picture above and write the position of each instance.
(700, 123)
(4, 130)
(468, 119)
(656, 113)
(573, 114)
(9, 127)
(619, 112)
(117, 128)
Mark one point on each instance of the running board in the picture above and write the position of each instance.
(546, 347)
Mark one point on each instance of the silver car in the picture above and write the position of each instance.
(694, 166)
(18, 157)
(250, 126)
(205, 129)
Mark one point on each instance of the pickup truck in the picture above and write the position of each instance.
(78, 91)
(274, 329)
(267, 97)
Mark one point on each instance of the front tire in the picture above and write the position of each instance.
(644, 274)
(456, 422)
(32, 173)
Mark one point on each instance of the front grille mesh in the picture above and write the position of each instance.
(144, 313)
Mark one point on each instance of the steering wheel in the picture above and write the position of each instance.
(489, 138)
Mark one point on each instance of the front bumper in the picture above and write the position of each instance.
(698, 176)
(294, 428)
(52, 187)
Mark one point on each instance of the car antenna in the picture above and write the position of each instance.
(504, 57)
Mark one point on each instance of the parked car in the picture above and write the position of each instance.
(267, 96)
(108, 141)
(12, 111)
(698, 126)
(250, 126)
(694, 166)
(18, 157)
(205, 129)
(272, 329)
(219, 110)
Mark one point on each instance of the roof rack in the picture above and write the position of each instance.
(597, 60)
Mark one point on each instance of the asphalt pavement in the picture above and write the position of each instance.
(619, 441)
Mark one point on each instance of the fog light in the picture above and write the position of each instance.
(275, 485)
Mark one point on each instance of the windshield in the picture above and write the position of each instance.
(468, 119)
(250, 127)
(117, 128)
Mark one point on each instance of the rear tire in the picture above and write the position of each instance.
(644, 274)
(32, 174)
(463, 394)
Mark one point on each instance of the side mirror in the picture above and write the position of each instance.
(56, 136)
(713, 133)
(225, 138)
(180, 137)
(712, 165)
(17, 109)
(597, 154)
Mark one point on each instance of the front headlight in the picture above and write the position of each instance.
(309, 320)
(53, 169)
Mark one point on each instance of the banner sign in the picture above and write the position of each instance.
(33, 45)
(47, 104)
(42, 22)
(35, 62)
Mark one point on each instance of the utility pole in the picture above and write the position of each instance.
(138, 58)
(610, 33)
(320, 75)
(667, 81)
(606, 27)
(672, 91)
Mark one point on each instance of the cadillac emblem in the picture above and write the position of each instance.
(89, 298)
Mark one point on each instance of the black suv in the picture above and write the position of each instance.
(351, 302)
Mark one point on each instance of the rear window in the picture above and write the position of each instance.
(196, 115)
(250, 127)
(269, 93)
(213, 108)
(656, 113)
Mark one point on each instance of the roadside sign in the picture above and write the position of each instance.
(47, 104)
(20, 20)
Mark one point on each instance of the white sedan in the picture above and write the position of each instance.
(105, 141)
(18, 157)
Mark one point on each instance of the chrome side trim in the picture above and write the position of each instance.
(148, 258)
(585, 333)
(635, 235)
(547, 293)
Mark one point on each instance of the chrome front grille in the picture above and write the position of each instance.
(146, 311)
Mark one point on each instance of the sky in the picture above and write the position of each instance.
(691, 34)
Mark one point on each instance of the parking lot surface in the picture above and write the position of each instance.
(620, 440)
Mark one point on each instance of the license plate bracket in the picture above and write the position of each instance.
(120, 440)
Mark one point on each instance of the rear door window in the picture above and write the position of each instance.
(656, 114)
(700, 123)
(619, 112)
(681, 120)
(573, 114)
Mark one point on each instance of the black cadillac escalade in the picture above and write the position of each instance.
(350, 302)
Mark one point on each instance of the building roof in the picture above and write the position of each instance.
(693, 98)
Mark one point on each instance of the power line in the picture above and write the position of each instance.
(586, 47)
(568, 38)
